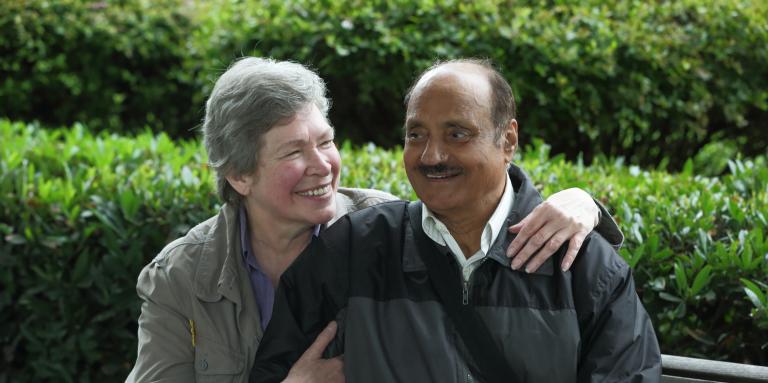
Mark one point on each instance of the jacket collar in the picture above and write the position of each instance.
(215, 275)
(526, 199)
(221, 271)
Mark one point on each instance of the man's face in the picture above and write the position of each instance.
(451, 157)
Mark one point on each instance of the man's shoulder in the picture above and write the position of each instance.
(382, 220)
(353, 199)
(392, 212)
(597, 252)
(598, 269)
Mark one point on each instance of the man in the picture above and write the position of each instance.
(393, 275)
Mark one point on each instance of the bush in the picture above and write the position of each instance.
(112, 65)
(613, 77)
(80, 214)
(650, 83)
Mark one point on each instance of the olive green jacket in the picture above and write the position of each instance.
(199, 319)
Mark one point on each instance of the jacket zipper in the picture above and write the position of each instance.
(465, 293)
(465, 374)
(468, 378)
(465, 284)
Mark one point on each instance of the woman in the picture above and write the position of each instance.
(208, 296)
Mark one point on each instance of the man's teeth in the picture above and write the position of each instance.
(316, 192)
(438, 176)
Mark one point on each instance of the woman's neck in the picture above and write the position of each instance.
(276, 245)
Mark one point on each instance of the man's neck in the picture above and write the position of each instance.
(466, 224)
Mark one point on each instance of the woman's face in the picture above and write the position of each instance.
(298, 172)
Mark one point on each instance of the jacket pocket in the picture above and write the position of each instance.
(215, 362)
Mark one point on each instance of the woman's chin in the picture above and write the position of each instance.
(322, 217)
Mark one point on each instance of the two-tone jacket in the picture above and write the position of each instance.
(199, 319)
(583, 325)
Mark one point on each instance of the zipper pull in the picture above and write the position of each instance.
(465, 293)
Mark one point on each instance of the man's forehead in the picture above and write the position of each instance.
(467, 82)
(459, 69)
(466, 78)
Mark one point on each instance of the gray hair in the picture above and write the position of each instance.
(503, 108)
(247, 101)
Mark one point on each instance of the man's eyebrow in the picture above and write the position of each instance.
(411, 123)
(456, 123)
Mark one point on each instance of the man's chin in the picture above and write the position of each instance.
(438, 204)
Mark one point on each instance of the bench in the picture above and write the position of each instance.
(678, 369)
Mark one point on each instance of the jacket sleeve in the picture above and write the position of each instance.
(311, 293)
(165, 352)
(608, 228)
(618, 340)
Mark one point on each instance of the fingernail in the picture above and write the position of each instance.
(527, 269)
(565, 266)
(515, 265)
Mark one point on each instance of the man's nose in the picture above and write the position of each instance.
(434, 153)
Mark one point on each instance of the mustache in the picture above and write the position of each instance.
(439, 169)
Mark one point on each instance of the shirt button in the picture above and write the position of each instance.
(203, 364)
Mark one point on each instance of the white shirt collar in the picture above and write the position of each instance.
(438, 232)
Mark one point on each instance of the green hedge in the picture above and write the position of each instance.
(617, 77)
(113, 65)
(80, 214)
(614, 77)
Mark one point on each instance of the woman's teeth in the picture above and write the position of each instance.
(316, 192)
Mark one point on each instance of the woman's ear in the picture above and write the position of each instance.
(241, 183)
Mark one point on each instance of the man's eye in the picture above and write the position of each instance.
(327, 143)
(412, 136)
(460, 135)
(292, 154)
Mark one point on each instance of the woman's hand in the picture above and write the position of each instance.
(567, 215)
(311, 367)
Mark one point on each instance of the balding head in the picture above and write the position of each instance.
(502, 100)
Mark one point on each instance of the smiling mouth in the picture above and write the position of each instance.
(323, 190)
(434, 176)
(440, 172)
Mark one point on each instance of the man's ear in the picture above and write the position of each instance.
(509, 141)
(241, 183)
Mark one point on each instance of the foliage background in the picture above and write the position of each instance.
(80, 214)
(660, 111)
(617, 77)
